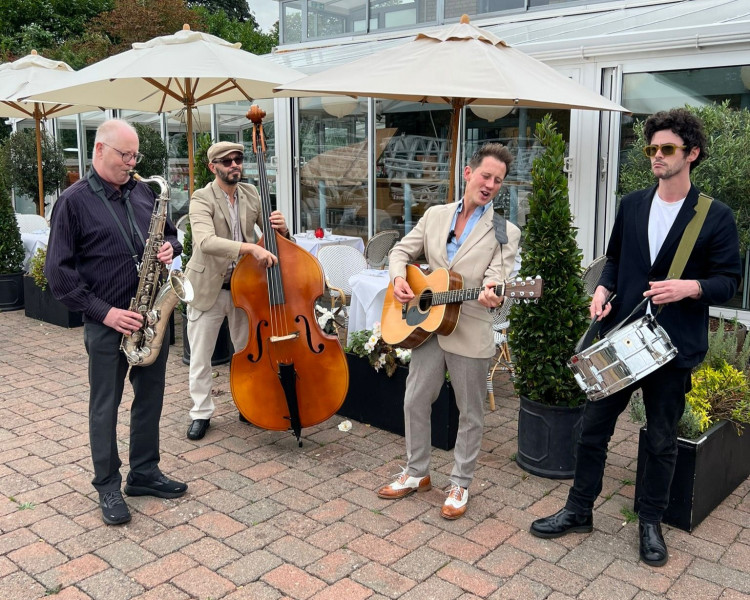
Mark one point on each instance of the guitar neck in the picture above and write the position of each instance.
(454, 296)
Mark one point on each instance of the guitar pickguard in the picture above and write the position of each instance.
(416, 311)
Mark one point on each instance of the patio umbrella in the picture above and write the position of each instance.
(458, 65)
(184, 70)
(16, 78)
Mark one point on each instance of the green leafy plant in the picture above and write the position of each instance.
(719, 393)
(369, 344)
(724, 346)
(154, 152)
(11, 246)
(544, 335)
(36, 268)
(19, 160)
(201, 173)
(724, 174)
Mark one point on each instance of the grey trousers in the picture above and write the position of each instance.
(426, 375)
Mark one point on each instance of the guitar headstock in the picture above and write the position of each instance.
(523, 290)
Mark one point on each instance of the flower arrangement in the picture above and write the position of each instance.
(369, 344)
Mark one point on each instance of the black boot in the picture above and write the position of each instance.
(653, 548)
(561, 523)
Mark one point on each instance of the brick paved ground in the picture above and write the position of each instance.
(264, 519)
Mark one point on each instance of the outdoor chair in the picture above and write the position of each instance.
(378, 247)
(29, 223)
(339, 263)
(592, 273)
(502, 358)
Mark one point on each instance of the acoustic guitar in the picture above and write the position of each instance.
(436, 304)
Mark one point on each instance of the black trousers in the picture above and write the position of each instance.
(107, 370)
(664, 399)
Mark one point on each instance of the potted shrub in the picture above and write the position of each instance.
(224, 349)
(39, 303)
(11, 253)
(543, 336)
(377, 382)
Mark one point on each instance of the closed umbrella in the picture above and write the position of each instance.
(460, 65)
(16, 79)
(184, 70)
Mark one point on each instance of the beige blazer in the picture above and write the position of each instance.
(213, 247)
(480, 259)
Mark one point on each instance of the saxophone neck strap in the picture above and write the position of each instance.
(96, 185)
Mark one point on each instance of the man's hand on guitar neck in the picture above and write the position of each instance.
(401, 290)
(487, 296)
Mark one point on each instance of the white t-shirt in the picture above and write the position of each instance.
(660, 221)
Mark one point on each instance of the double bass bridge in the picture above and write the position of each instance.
(284, 338)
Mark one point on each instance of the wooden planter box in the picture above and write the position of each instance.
(708, 470)
(378, 400)
(41, 304)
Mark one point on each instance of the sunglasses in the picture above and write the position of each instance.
(666, 149)
(227, 162)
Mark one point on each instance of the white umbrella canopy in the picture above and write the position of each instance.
(458, 65)
(184, 70)
(16, 79)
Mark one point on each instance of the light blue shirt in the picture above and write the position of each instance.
(454, 243)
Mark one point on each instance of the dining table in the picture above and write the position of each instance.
(33, 241)
(368, 294)
(314, 244)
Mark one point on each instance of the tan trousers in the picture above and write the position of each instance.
(203, 330)
(469, 380)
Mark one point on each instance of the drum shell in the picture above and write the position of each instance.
(622, 357)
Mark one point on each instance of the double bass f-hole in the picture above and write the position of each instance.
(291, 374)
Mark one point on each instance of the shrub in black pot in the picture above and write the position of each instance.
(11, 253)
(543, 336)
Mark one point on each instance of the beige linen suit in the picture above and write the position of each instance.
(467, 351)
(214, 250)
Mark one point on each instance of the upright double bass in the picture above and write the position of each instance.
(291, 374)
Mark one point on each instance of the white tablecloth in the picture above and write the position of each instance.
(312, 245)
(368, 292)
(32, 241)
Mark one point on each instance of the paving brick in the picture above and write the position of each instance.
(468, 578)
(346, 588)
(457, 547)
(217, 525)
(377, 549)
(519, 587)
(383, 580)
(73, 571)
(125, 555)
(250, 567)
(421, 563)
(211, 553)
(162, 570)
(693, 588)
(433, 588)
(110, 585)
(504, 561)
(295, 551)
(294, 582)
(336, 565)
(37, 558)
(200, 582)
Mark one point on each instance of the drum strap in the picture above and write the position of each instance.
(689, 236)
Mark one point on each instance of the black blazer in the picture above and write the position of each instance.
(714, 262)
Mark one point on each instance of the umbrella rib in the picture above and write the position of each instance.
(224, 86)
(17, 106)
(164, 88)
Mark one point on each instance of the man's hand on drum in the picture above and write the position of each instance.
(600, 307)
(672, 290)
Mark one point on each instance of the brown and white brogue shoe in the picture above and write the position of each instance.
(404, 485)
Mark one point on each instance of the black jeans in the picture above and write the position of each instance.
(107, 370)
(664, 398)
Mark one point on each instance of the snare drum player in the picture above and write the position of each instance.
(644, 241)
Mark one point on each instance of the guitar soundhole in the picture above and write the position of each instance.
(419, 309)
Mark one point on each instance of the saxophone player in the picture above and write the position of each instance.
(97, 238)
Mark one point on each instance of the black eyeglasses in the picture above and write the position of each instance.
(666, 149)
(227, 162)
(126, 156)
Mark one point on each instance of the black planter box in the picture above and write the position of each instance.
(708, 470)
(547, 438)
(11, 291)
(41, 304)
(378, 400)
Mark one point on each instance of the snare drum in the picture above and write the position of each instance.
(622, 357)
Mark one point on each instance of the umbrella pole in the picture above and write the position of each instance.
(39, 175)
(454, 148)
(191, 151)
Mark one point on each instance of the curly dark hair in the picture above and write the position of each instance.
(496, 151)
(683, 123)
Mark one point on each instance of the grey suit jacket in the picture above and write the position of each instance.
(480, 259)
(213, 247)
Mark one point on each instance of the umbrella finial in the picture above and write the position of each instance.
(34, 52)
(465, 19)
(186, 27)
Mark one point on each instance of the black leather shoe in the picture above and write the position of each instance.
(198, 429)
(653, 548)
(561, 523)
(161, 487)
(114, 509)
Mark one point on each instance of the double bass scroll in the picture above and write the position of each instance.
(291, 374)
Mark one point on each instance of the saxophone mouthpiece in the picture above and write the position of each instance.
(134, 175)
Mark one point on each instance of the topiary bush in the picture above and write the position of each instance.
(543, 336)
(11, 246)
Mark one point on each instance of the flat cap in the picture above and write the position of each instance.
(221, 149)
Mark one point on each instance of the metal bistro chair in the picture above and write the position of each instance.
(502, 356)
(378, 247)
(339, 263)
(592, 273)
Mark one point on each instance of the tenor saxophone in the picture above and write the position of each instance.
(159, 289)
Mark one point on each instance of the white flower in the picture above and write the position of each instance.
(345, 425)
(403, 355)
(376, 329)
